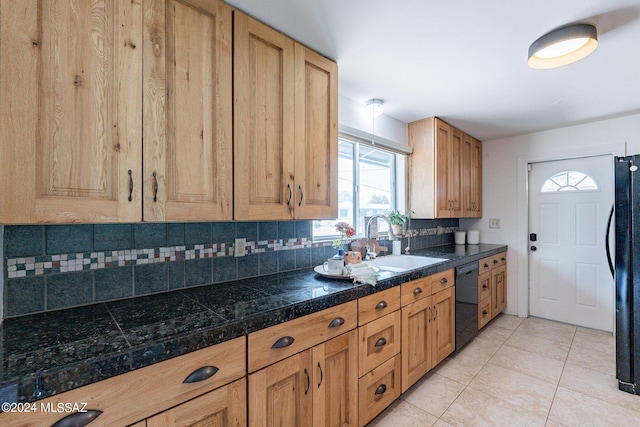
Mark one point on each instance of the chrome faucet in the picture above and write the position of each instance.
(368, 253)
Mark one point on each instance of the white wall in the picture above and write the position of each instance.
(352, 114)
(504, 179)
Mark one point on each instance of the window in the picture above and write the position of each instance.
(370, 182)
(570, 181)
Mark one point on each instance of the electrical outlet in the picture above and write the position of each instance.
(239, 248)
(494, 222)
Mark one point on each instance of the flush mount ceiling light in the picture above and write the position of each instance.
(563, 46)
(375, 107)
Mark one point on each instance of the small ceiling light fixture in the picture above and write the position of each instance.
(375, 107)
(563, 46)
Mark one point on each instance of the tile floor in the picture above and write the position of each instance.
(521, 372)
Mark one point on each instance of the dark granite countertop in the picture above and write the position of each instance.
(49, 353)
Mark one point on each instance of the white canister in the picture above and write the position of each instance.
(459, 237)
(397, 247)
(473, 237)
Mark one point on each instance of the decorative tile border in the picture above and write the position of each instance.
(64, 263)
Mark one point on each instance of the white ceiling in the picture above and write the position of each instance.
(466, 60)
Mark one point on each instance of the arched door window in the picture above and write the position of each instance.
(570, 181)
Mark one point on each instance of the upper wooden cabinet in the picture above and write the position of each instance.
(441, 171)
(77, 92)
(70, 116)
(285, 127)
(187, 111)
(472, 177)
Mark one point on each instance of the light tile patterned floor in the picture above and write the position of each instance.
(521, 372)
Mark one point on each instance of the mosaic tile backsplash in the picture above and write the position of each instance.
(51, 267)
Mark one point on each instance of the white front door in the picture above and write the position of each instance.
(569, 277)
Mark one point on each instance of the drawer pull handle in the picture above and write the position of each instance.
(78, 419)
(306, 373)
(417, 291)
(381, 305)
(486, 265)
(495, 261)
(381, 342)
(338, 321)
(201, 374)
(484, 312)
(381, 389)
(283, 342)
(444, 280)
(485, 286)
(502, 259)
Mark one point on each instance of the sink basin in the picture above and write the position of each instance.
(400, 263)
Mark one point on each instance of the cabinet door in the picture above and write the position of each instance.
(454, 184)
(281, 394)
(472, 177)
(226, 406)
(443, 325)
(335, 381)
(443, 138)
(416, 341)
(498, 290)
(70, 119)
(263, 69)
(187, 111)
(316, 135)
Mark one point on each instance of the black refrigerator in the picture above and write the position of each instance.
(627, 272)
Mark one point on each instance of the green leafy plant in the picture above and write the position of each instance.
(397, 218)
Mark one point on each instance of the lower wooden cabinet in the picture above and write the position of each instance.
(226, 406)
(428, 334)
(492, 287)
(318, 386)
(379, 388)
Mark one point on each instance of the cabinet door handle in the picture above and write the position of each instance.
(444, 280)
(417, 291)
(290, 194)
(484, 313)
(283, 342)
(130, 185)
(301, 195)
(381, 305)
(338, 321)
(321, 374)
(155, 187)
(435, 311)
(201, 374)
(430, 316)
(485, 286)
(306, 373)
(78, 419)
(381, 389)
(381, 342)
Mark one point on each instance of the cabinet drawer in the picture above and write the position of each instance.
(484, 286)
(272, 344)
(379, 341)
(415, 290)
(442, 280)
(161, 385)
(488, 263)
(484, 312)
(377, 305)
(379, 388)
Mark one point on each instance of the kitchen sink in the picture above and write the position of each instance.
(401, 263)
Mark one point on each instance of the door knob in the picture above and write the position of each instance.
(533, 248)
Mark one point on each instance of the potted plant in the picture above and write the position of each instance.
(397, 220)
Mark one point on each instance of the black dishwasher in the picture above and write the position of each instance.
(466, 303)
